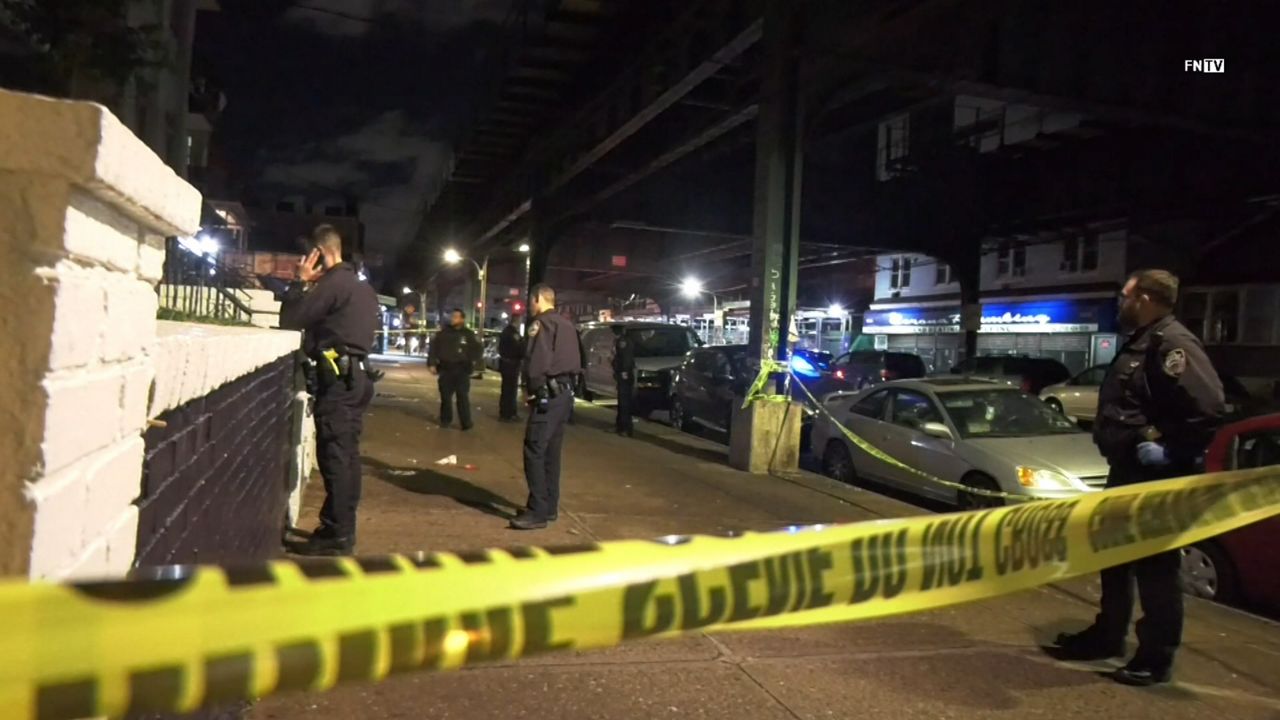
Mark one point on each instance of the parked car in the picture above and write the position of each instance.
(659, 349)
(707, 384)
(1078, 397)
(980, 434)
(860, 368)
(1239, 566)
(1029, 374)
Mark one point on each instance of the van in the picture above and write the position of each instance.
(659, 350)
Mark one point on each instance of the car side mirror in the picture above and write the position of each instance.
(937, 430)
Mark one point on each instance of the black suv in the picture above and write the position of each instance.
(1030, 374)
(706, 384)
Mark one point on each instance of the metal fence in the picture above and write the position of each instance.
(197, 284)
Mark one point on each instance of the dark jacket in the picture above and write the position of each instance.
(1161, 386)
(554, 350)
(510, 344)
(339, 311)
(453, 346)
(624, 358)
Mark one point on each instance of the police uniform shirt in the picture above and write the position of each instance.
(340, 310)
(553, 350)
(1161, 386)
(510, 346)
(454, 346)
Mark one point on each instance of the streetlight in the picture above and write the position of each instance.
(692, 287)
(453, 257)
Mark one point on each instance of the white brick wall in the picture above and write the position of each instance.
(89, 204)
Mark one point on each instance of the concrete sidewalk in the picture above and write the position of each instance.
(973, 661)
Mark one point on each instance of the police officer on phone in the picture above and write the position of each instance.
(624, 378)
(1158, 408)
(552, 363)
(337, 312)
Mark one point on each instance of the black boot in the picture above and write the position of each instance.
(325, 546)
(1089, 644)
(528, 521)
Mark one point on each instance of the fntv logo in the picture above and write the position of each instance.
(1207, 65)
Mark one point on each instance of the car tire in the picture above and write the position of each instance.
(971, 501)
(837, 463)
(1207, 573)
(1055, 405)
(678, 419)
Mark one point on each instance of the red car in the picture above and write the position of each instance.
(1239, 566)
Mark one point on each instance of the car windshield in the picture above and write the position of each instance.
(661, 342)
(1000, 413)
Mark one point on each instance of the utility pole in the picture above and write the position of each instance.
(766, 435)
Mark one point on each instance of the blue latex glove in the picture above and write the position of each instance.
(1153, 454)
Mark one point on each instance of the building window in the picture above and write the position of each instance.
(1260, 310)
(943, 276)
(1080, 254)
(284, 206)
(900, 273)
(895, 137)
(1011, 259)
(1224, 317)
(1194, 312)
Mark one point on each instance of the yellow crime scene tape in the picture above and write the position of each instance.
(221, 635)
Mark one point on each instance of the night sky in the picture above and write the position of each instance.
(367, 107)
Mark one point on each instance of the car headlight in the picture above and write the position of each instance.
(1043, 479)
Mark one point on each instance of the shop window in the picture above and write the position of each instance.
(1011, 259)
(1224, 317)
(900, 273)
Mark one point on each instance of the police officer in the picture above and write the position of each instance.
(1158, 409)
(453, 355)
(337, 313)
(624, 377)
(510, 353)
(552, 362)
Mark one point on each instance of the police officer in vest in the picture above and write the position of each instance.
(337, 313)
(624, 377)
(1158, 408)
(552, 363)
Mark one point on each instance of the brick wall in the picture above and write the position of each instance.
(215, 478)
(85, 207)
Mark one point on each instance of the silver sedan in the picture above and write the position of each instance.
(978, 434)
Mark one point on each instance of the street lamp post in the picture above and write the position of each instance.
(454, 257)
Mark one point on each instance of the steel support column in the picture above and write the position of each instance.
(765, 436)
(776, 242)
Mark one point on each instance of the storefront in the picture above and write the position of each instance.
(1078, 332)
(933, 333)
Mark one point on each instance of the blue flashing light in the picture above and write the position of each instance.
(802, 366)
